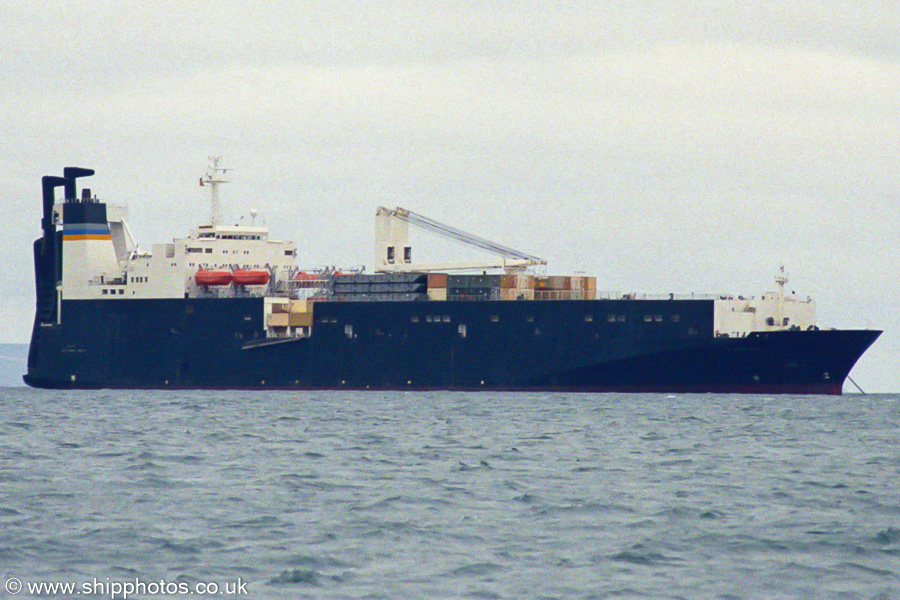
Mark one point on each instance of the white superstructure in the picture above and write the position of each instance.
(101, 259)
(774, 311)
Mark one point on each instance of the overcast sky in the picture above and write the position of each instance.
(661, 146)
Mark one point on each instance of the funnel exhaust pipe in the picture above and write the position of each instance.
(71, 174)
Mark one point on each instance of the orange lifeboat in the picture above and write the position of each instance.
(250, 277)
(207, 277)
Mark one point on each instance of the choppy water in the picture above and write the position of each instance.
(454, 495)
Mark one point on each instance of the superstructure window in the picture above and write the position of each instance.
(194, 249)
(208, 250)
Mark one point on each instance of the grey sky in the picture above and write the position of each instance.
(679, 146)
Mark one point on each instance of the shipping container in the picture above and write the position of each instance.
(437, 293)
(277, 319)
(381, 287)
(384, 297)
(301, 306)
(559, 282)
(517, 294)
(473, 293)
(517, 280)
(473, 281)
(437, 280)
(380, 278)
(300, 320)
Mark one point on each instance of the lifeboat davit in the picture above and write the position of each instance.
(207, 277)
(308, 280)
(250, 277)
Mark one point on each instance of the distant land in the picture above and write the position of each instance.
(13, 358)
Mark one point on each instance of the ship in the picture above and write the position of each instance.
(229, 307)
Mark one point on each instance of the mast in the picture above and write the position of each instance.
(781, 278)
(213, 178)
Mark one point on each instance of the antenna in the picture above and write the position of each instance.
(781, 278)
(213, 180)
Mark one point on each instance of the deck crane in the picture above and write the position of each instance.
(393, 252)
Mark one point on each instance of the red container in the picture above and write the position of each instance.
(437, 280)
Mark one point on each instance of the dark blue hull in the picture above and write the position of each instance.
(570, 345)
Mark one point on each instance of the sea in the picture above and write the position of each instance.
(383, 495)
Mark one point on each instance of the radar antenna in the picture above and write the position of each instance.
(781, 278)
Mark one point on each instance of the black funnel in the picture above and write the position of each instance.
(50, 183)
(71, 174)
